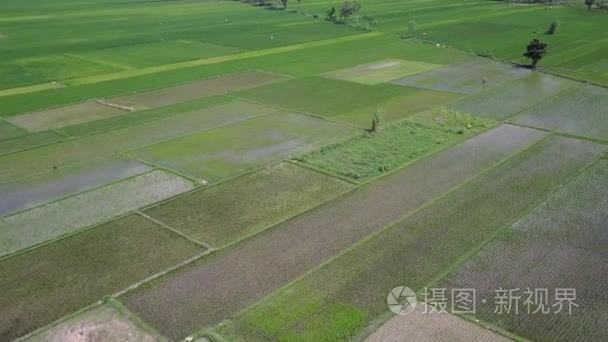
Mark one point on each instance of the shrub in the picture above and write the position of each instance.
(378, 121)
(553, 27)
(331, 15)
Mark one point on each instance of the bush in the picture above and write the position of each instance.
(553, 27)
(331, 15)
(378, 121)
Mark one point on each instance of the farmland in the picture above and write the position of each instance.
(215, 171)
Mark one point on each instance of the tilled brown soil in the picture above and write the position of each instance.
(218, 287)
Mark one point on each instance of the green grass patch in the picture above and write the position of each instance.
(321, 96)
(413, 101)
(419, 249)
(246, 205)
(34, 70)
(34, 226)
(579, 112)
(234, 149)
(49, 282)
(381, 71)
(157, 53)
(372, 154)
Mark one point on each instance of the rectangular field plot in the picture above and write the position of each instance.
(370, 155)
(464, 78)
(64, 116)
(413, 101)
(196, 297)
(31, 192)
(231, 150)
(138, 117)
(35, 70)
(104, 322)
(8, 131)
(502, 102)
(28, 141)
(581, 112)
(381, 71)
(350, 292)
(427, 327)
(43, 159)
(321, 96)
(560, 244)
(157, 53)
(246, 205)
(47, 283)
(190, 91)
(37, 225)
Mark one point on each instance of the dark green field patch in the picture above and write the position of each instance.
(373, 154)
(581, 112)
(505, 101)
(248, 204)
(420, 249)
(321, 96)
(157, 53)
(228, 151)
(49, 282)
(49, 68)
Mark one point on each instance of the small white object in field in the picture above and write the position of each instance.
(189, 339)
(424, 33)
(226, 20)
(438, 45)
(204, 182)
(271, 37)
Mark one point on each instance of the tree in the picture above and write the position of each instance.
(535, 51)
(589, 3)
(284, 2)
(331, 15)
(378, 121)
(350, 9)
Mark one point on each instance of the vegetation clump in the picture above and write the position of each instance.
(535, 51)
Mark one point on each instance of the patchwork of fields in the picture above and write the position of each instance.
(209, 169)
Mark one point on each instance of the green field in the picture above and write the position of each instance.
(207, 170)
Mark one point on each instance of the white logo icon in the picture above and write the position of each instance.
(401, 300)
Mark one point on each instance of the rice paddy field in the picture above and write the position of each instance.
(205, 170)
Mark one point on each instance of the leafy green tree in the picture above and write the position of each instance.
(284, 2)
(350, 9)
(535, 51)
(331, 15)
(589, 3)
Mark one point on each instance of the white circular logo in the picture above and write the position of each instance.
(401, 300)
